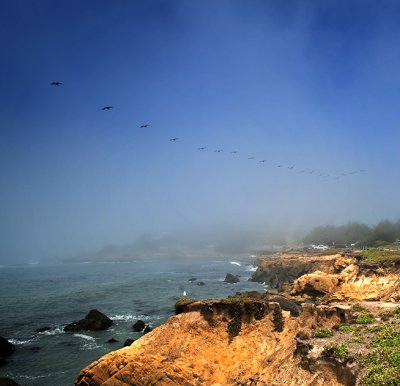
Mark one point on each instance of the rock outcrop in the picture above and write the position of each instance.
(6, 348)
(231, 279)
(270, 338)
(94, 320)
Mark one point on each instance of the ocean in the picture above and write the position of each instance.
(37, 296)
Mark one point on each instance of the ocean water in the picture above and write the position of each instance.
(36, 296)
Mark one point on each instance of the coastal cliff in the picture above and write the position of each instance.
(311, 334)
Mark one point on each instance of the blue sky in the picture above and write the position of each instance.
(308, 84)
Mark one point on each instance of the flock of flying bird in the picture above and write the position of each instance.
(174, 139)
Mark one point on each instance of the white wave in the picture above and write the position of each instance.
(129, 317)
(17, 342)
(86, 337)
(53, 331)
(251, 268)
(235, 263)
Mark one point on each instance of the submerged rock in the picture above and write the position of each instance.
(128, 342)
(231, 279)
(94, 321)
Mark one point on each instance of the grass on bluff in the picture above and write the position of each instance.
(389, 254)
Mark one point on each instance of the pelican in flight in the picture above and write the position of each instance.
(263, 160)
(218, 151)
(251, 158)
(106, 108)
(174, 139)
(144, 126)
(200, 148)
(234, 152)
(56, 83)
(290, 167)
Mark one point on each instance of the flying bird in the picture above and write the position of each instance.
(290, 167)
(107, 108)
(144, 126)
(218, 151)
(56, 83)
(200, 148)
(234, 152)
(263, 160)
(174, 139)
(251, 158)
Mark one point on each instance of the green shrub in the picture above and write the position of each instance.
(339, 351)
(234, 327)
(277, 319)
(382, 365)
(323, 333)
(364, 319)
(347, 328)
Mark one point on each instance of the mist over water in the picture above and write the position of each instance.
(169, 127)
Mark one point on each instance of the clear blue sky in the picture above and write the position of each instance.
(309, 84)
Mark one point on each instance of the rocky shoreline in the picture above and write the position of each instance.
(317, 330)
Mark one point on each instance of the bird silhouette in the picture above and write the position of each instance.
(144, 126)
(200, 148)
(234, 152)
(251, 158)
(56, 83)
(107, 108)
(263, 160)
(290, 167)
(218, 151)
(174, 139)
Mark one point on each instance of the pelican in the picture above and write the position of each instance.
(174, 139)
(251, 158)
(218, 151)
(56, 83)
(234, 152)
(200, 148)
(106, 108)
(291, 167)
(263, 160)
(144, 126)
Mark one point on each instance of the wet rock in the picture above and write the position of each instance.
(128, 342)
(112, 340)
(6, 348)
(139, 326)
(147, 329)
(8, 382)
(231, 279)
(201, 283)
(192, 279)
(94, 321)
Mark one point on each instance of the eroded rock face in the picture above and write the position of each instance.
(94, 320)
(234, 341)
(194, 348)
(279, 270)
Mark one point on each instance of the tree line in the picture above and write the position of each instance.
(355, 234)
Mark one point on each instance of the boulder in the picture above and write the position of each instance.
(43, 329)
(192, 279)
(94, 321)
(6, 348)
(112, 340)
(200, 283)
(232, 279)
(139, 326)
